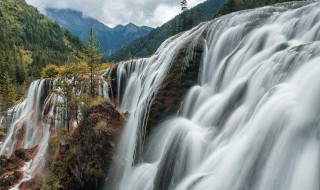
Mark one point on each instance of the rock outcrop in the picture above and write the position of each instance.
(83, 161)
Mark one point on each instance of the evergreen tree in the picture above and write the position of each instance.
(7, 92)
(93, 57)
(183, 19)
(184, 5)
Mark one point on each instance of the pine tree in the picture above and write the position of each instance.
(7, 92)
(183, 17)
(93, 57)
(184, 5)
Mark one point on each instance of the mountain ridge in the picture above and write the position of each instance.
(110, 38)
(147, 45)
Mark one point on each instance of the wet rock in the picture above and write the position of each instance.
(32, 183)
(182, 75)
(10, 179)
(10, 168)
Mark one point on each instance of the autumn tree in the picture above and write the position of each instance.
(93, 57)
(50, 71)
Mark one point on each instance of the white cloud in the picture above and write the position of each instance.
(113, 12)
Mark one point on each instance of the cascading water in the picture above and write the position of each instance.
(252, 122)
(26, 129)
(137, 81)
(25, 115)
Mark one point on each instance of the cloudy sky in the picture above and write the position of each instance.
(113, 12)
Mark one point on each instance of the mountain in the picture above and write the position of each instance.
(111, 39)
(147, 45)
(29, 41)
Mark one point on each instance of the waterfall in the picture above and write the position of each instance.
(26, 129)
(30, 124)
(25, 115)
(137, 82)
(251, 122)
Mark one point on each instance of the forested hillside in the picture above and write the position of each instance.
(28, 42)
(147, 45)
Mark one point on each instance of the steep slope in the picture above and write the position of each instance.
(110, 39)
(29, 41)
(147, 45)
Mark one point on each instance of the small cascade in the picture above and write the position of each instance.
(25, 131)
(251, 122)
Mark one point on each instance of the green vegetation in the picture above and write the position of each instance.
(50, 71)
(28, 42)
(71, 77)
(7, 92)
(74, 76)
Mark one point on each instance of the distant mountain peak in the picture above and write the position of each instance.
(110, 39)
(130, 24)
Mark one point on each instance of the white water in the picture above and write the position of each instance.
(140, 79)
(252, 122)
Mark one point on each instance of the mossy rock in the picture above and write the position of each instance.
(182, 75)
(83, 162)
